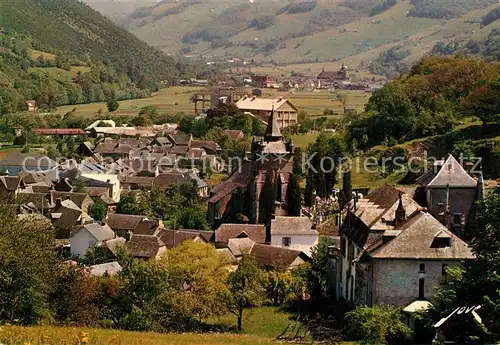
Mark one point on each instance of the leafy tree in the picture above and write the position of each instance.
(317, 275)
(484, 102)
(293, 197)
(246, 288)
(112, 105)
(98, 210)
(308, 192)
(283, 286)
(377, 325)
(480, 282)
(128, 204)
(28, 267)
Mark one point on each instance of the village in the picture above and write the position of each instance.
(252, 209)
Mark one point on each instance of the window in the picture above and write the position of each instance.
(286, 241)
(457, 218)
(421, 285)
(342, 246)
(421, 268)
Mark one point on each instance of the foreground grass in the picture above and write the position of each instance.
(48, 335)
(266, 322)
(261, 327)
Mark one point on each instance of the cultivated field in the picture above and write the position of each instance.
(178, 100)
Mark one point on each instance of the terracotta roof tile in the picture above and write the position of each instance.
(256, 232)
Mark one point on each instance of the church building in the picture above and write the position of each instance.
(256, 191)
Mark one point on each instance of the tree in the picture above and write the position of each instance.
(376, 325)
(28, 267)
(317, 275)
(480, 282)
(112, 105)
(98, 210)
(484, 102)
(245, 288)
(293, 198)
(309, 191)
(128, 204)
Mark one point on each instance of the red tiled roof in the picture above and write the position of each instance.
(59, 131)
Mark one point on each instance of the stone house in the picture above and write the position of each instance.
(88, 236)
(285, 112)
(294, 233)
(392, 251)
(450, 193)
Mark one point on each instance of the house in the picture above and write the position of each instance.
(264, 81)
(136, 182)
(164, 180)
(106, 269)
(88, 236)
(32, 106)
(114, 150)
(173, 238)
(225, 232)
(15, 162)
(82, 200)
(65, 215)
(450, 193)
(210, 147)
(276, 257)
(294, 233)
(392, 252)
(180, 139)
(241, 198)
(10, 186)
(123, 224)
(109, 181)
(120, 132)
(234, 134)
(146, 246)
(285, 112)
(328, 79)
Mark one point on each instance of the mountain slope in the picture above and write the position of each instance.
(303, 31)
(77, 30)
(63, 52)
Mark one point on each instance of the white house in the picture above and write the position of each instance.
(87, 236)
(294, 233)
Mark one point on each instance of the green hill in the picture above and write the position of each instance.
(96, 60)
(306, 31)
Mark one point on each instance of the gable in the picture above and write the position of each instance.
(287, 106)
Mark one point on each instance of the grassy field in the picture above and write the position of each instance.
(171, 100)
(261, 326)
(178, 99)
(35, 54)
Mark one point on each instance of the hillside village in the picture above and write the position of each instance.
(215, 195)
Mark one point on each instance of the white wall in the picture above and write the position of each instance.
(80, 242)
(298, 242)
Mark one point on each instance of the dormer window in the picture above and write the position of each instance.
(441, 240)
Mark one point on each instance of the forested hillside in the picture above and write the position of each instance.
(306, 31)
(63, 52)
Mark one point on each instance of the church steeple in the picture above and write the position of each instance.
(272, 131)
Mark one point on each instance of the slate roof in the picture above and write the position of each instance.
(452, 174)
(179, 150)
(100, 232)
(108, 269)
(69, 215)
(77, 198)
(140, 181)
(123, 221)
(28, 160)
(166, 179)
(266, 255)
(256, 103)
(256, 232)
(328, 228)
(180, 138)
(146, 227)
(113, 148)
(240, 246)
(234, 134)
(239, 179)
(114, 244)
(29, 177)
(205, 144)
(416, 241)
(10, 183)
(145, 246)
(173, 238)
(292, 226)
